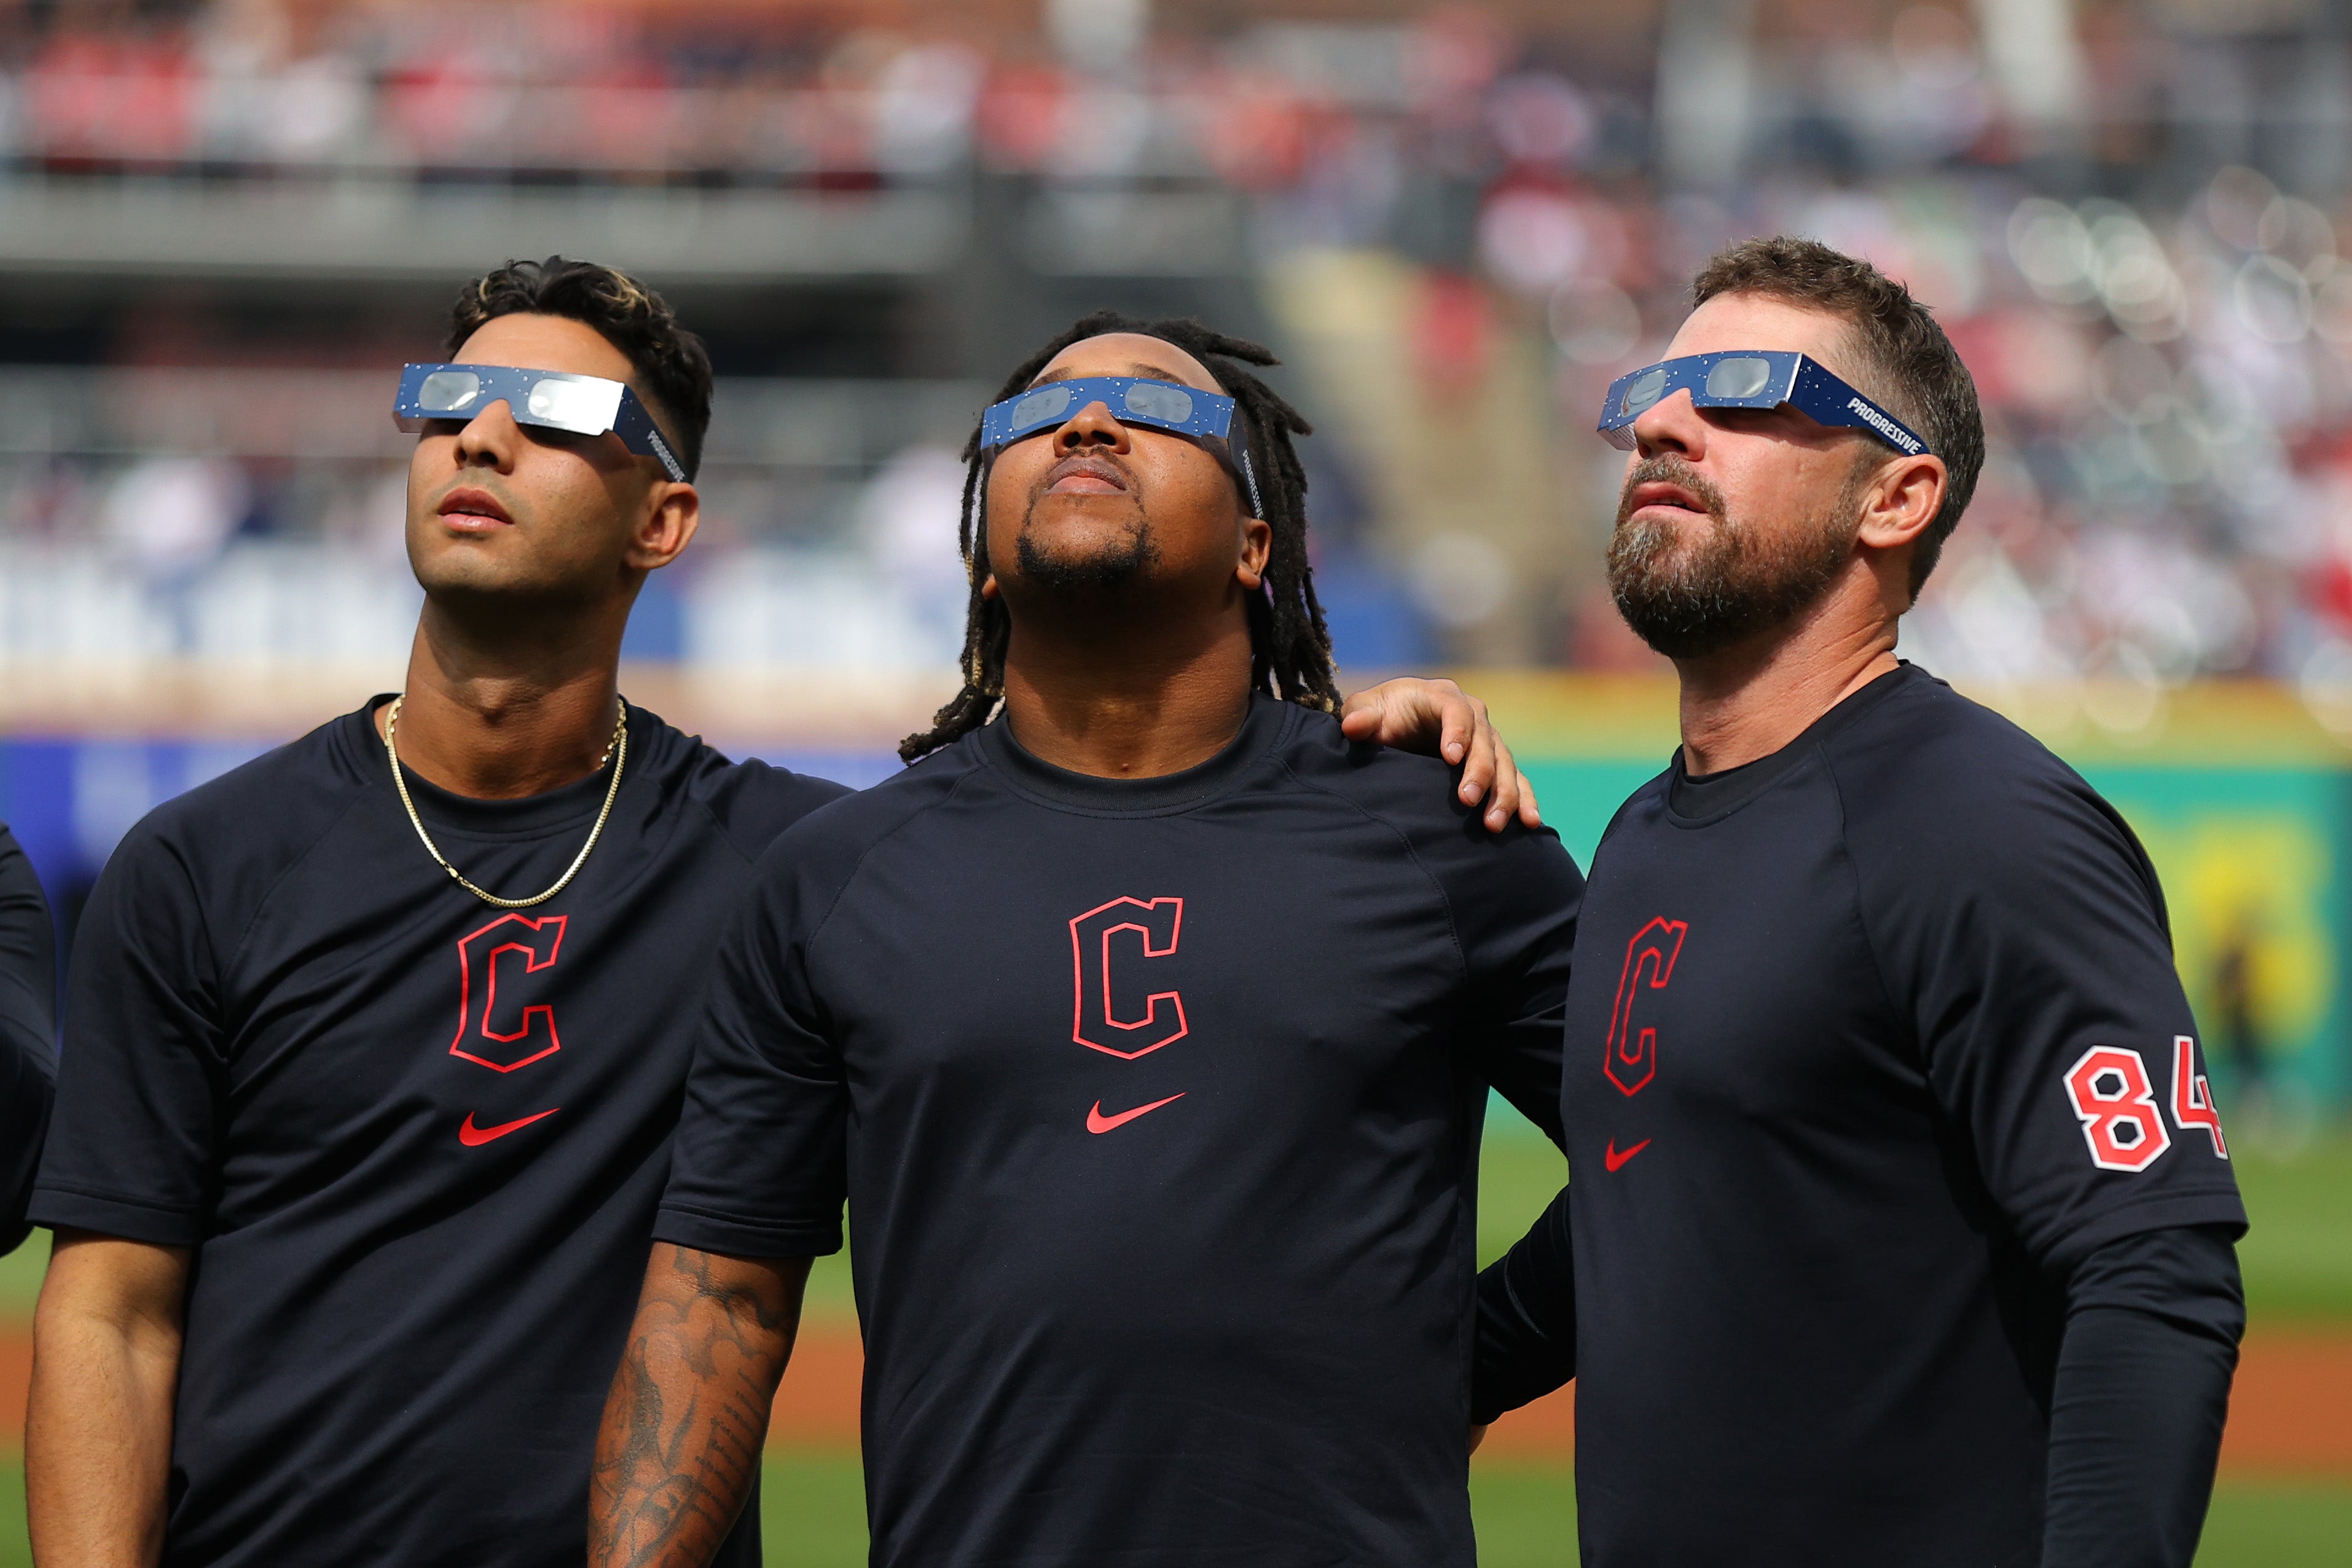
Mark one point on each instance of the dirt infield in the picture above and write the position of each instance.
(2289, 1417)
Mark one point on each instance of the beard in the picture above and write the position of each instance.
(1112, 566)
(1688, 598)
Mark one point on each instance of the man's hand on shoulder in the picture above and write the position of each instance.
(1437, 718)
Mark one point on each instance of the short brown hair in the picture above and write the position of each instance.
(1904, 360)
(670, 368)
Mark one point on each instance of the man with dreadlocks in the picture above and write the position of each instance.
(1146, 1022)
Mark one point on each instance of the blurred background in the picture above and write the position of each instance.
(224, 226)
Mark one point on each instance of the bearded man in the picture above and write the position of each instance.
(1902, 1223)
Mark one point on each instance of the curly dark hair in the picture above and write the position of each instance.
(671, 369)
(1290, 647)
(1907, 362)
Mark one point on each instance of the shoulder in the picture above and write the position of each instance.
(753, 802)
(1926, 760)
(1379, 780)
(1412, 795)
(825, 845)
(1963, 798)
(272, 808)
(213, 852)
(12, 854)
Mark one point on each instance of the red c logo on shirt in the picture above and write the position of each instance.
(1633, 1059)
(510, 1030)
(1157, 925)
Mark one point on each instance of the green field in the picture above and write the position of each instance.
(816, 1518)
(2298, 1266)
(1526, 1519)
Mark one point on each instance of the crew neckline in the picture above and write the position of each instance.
(568, 805)
(1261, 727)
(1704, 798)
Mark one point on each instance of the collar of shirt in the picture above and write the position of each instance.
(1692, 796)
(1033, 775)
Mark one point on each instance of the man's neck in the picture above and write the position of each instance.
(1751, 699)
(499, 719)
(1141, 702)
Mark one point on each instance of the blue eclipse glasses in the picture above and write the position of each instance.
(1206, 416)
(1750, 378)
(551, 399)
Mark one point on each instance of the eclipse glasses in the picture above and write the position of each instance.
(1750, 378)
(549, 399)
(1206, 416)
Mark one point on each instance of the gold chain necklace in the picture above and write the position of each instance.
(615, 752)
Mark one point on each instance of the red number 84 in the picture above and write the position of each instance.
(2111, 1094)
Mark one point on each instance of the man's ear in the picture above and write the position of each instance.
(1901, 500)
(667, 525)
(1258, 544)
(988, 588)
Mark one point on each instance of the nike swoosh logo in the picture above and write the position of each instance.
(1616, 1162)
(1098, 1122)
(474, 1137)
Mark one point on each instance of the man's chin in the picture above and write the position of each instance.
(1100, 564)
(491, 584)
(1683, 640)
(1685, 618)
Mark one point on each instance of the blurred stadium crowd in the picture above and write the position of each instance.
(2134, 234)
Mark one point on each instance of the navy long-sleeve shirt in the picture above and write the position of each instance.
(1893, 1156)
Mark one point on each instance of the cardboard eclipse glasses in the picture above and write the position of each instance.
(1206, 416)
(1750, 378)
(549, 399)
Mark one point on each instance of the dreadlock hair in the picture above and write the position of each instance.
(1290, 648)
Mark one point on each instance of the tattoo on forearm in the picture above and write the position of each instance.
(682, 1430)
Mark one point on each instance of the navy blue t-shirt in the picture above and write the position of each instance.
(1861, 1062)
(415, 1141)
(1157, 1104)
(29, 1052)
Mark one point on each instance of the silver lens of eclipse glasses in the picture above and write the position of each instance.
(1742, 377)
(449, 391)
(1152, 400)
(1646, 389)
(569, 404)
(1046, 402)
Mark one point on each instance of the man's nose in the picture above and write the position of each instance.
(1670, 424)
(1092, 426)
(489, 438)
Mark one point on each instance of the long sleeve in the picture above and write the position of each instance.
(28, 970)
(1527, 1319)
(2142, 1390)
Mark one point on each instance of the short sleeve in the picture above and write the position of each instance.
(2021, 929)
(132, 1148)
(759, 1166)
(1514, 898)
